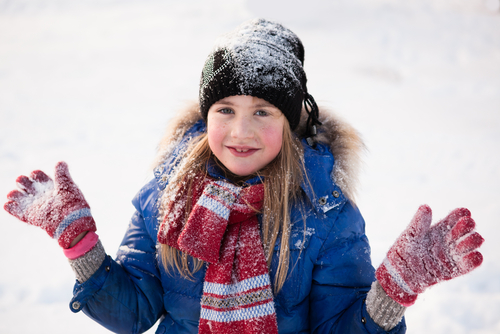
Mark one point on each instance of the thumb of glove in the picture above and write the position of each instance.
(418, 227)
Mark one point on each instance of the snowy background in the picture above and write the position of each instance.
(93, 82)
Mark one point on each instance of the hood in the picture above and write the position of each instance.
(343, 140)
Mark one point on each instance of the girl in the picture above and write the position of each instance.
(249, 224)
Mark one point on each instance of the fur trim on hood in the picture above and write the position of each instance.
(345, 143)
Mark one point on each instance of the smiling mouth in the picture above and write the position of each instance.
(242, 152)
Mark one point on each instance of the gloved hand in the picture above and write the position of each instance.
(57, 207)
(425, 255)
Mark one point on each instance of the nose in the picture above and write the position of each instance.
(242, 128)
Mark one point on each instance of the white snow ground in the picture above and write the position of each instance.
(94, 83)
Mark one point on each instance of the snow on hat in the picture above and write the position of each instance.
(262, 59)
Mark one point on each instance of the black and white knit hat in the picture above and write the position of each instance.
(262, 59)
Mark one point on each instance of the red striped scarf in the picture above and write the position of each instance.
(222, 229)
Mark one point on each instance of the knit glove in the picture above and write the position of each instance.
(57, 206)
(424, 255)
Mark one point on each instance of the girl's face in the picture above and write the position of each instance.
(245, 133)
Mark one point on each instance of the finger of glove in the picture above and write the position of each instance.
(16, 195)
(470, 243)
(419, 225)
(470, 262)
(463, 226)
(62, 177)
(40, 176)
(26, 184)
(15, 209)
(450, 221)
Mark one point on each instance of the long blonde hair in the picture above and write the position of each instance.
(282, 179)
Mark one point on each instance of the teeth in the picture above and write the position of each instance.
(241, 151)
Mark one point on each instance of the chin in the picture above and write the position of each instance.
(242, 172)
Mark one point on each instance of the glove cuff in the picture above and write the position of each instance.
(394, 285)
(85, 266)
(384, 310)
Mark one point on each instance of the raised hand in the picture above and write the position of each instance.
(56, 206)
(424, 255)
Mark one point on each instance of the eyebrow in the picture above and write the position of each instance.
(265, 104)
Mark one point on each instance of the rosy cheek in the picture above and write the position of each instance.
(215, 135)
(273, 137)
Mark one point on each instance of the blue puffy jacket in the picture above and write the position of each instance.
(329, 276)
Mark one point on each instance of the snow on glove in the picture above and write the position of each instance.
(424, 255)
(57, 206)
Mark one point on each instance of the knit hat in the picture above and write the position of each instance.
(262, 59)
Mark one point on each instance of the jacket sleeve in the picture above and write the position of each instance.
(124, 295)
(342, 277)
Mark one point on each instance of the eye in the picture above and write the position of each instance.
(226, 111)
(262, 113)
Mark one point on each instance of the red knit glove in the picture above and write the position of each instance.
(57, 207)
(425, 255)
